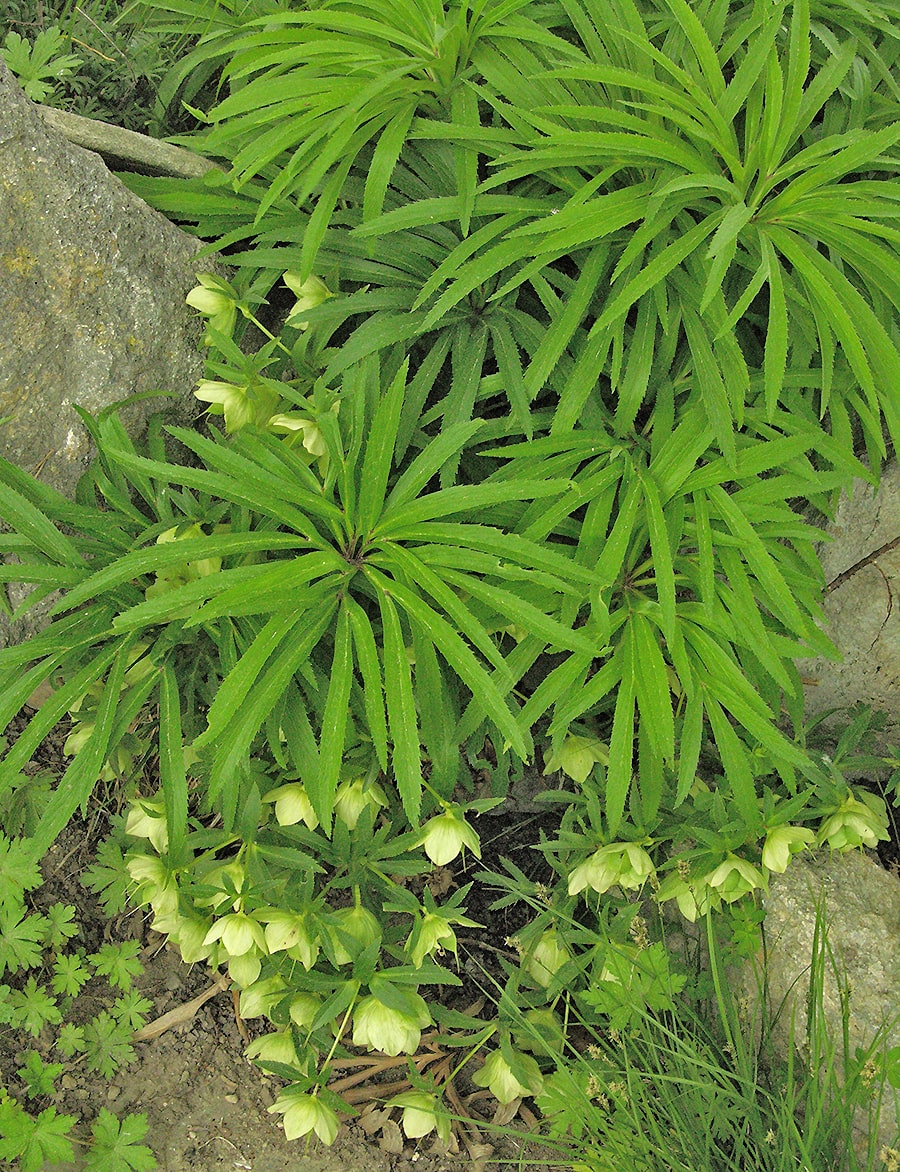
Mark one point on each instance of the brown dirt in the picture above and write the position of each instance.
(205, 1103)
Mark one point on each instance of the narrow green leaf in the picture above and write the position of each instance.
(79, 779)
(334, 723)
(380, 452)
(269, 686)
(370, 670)
(172, 553)
(651, 684)
(20, 514)
(401, 707)
(172, 775)
(461, 659)
(736, 764)
(621, 747)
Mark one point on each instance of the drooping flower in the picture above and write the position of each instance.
(445, 835)
(287, 930)
(432, 933)
(497, 1076)
(421, 1115)
(303, 1009)
(352, 929)
(259, 998)
(239, 934)
(855, 823)
(693, 899)
(622, 864)
(305, 1113)
(782, 842)
(147, 819)
(734, 878)
(379, 1027)
(277, 1046)
(288, 422)
(216, 300)
(309, 293)
(253, 402)
(577, 756)
(546, 958)
(352, 798)
(292, 805)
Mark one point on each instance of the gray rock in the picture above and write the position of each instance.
(862, 604)
(861, 903)
(92, 288)
(126, 150)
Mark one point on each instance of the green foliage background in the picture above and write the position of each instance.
(614, 318)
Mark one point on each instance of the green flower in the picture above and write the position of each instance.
(541, 1032)
(259, 998)
(309, 293)
(577, 756)
(429, 936)
(352, 798)
(241, 405)
(305, 1113)
(171, 577)
(189, 935)
(694, 898)
(292, 805)
(215, 299)
(291, 423)
(546, 958)
(855, 823)
(240, 934)
(379, 1027)
(244, 970)
(782, 842)
(147, 819)
(734, 878)
(352, 930)
(622, 864)
(303, 1009)
(291, 932)
(274, 1047)
(421, 1115)
(445, 835)
(497, 1076)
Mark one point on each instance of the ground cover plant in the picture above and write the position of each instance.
(93, 59)
(588, 313)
